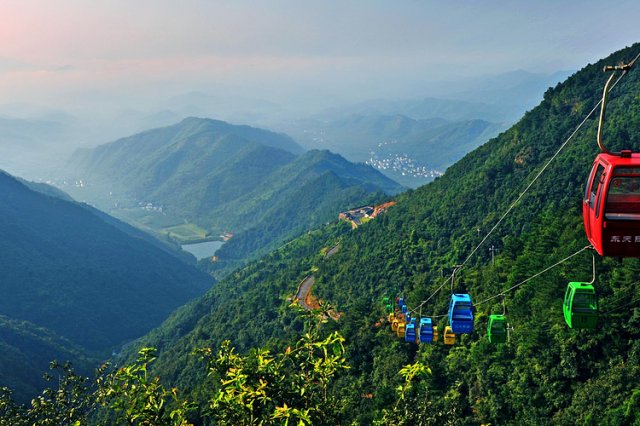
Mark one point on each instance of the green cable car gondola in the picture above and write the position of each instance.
(497, 330)
(580, 305)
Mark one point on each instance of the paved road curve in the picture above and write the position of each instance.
(305, 286)
(304, 289)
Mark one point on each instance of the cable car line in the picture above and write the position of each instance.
(496, 337)
(621, 306)
(544, 168)
(618, 300)
(502, 293)
(625, 70)
(533, 276)
(433, 294)
(580, 303)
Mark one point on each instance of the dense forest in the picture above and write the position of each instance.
(362, 373)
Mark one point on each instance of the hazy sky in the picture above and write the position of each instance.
(63, 50)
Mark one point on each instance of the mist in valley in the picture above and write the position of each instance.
(77, 76)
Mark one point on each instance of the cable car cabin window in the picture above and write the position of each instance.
(584, 302)
(497, 327)
(592, 183)
(626, 171)
(623, 198)
(595, 188)
(462, 311)
(567, 295)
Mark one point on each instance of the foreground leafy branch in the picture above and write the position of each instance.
(261, 387)
(264, 388)
(138, 399)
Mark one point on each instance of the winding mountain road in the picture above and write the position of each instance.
(303, 291)
(303, 296)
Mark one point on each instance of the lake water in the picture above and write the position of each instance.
(202, 250)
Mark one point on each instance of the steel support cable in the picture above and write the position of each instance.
(621, 306)
(537, 274)
(513, 287)
(432, 294)
(612, 305)
(522, 194)
(544, 168)
(617, 308)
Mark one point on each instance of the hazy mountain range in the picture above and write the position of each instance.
(94, 118)
(410, 151)
(201, 178)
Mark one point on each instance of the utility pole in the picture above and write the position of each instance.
(493, 251)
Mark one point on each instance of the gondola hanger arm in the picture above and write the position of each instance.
(603, 105)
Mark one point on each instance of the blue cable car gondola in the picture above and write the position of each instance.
(426, 330)
(410, 333)
(461, 314)
(404, 309)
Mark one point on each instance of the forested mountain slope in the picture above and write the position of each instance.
(188, 169)
(26, 352)
(547, 373)
(305, 193)
(68, 270)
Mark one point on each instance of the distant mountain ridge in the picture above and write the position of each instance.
(148, 142)
(412, 140)
(216, 177)
(425, 109)
(519, 89)
(410, 151)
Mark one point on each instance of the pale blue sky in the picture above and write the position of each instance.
(291, 49)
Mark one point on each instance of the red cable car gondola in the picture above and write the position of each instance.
(611, 207)
(611, 204)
